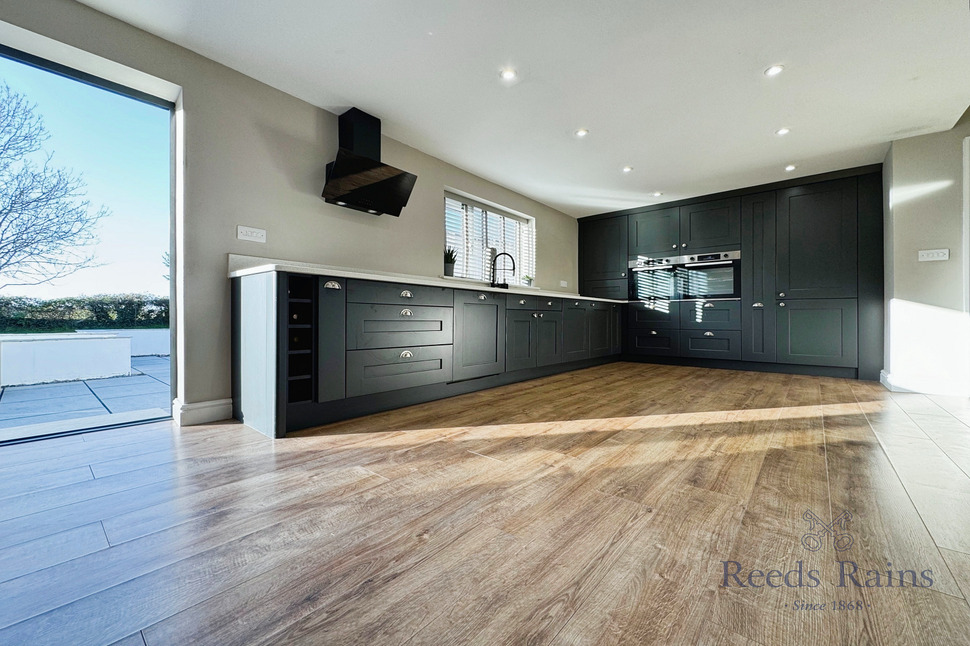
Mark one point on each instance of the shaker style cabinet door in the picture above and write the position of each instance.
(654, 233)
(758, 277)
(817, 241)
(479, 334)
(603, 249)
(711, 225)
(575, 330)
(818, 332)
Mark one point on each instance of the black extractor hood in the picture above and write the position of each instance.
(357, 179)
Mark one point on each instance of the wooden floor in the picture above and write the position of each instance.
(594, 507)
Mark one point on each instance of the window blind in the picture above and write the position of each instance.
(474, 229)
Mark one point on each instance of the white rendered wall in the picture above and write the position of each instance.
(42, 358)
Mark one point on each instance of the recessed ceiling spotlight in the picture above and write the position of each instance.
(774, 70)
(582, 132)
(508, 74)
(656, 194)
(627, 169)
(790, 167)
(782, 131)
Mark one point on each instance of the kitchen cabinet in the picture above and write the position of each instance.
(710, 344)
(603, 249)
(374, 325)
(654, 233)
(710, 226)
(660, 342)
(817, 241)
(479, 326)
(818, 332)
(616, 328)
(614, 289)
(758, 277)
(376, 371)
(533, 336)
(654, 315)
(710, 315)
(331, 361)
(598, 322)
(575, 330)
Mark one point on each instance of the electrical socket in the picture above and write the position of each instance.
(929, 255)
(250, 234)
(563, 283)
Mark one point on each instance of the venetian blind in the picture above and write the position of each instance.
(474, 229)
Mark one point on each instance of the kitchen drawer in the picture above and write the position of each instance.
(520, 302)
(393, 326)
(710, 344)
(546, 304)
(375, 371)
(661, 314)
(656, 342)
(617, 288)
(710, 315)
(368, 291)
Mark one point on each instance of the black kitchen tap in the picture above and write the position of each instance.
(501, 285)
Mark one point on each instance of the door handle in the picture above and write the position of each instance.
(757, 305)
(407, 294)
(708, 304)
(781, 294)
(673, 247)
(684, 245)
(534, 315)
(540, 315)
(407, 354)
(482, 297)
(653, 332)
(522, 301)
(407, 312)
(708, 334)
(781, 304)
(623, 274)
(331, 284)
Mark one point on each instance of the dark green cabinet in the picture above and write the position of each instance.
(653, 315)
(615, 289)
(712, 226)
(598, 322)
(818, 332)
(521, 343)
(479, 348)
(710, 315)
(758, 277)
(533, 332)
(616, 328)
(549, 339)
(710, 344)
(331, 338)
(603, 249)
(372, 325)
(654, 233)
(387, 369)
(817, 241)
(575, 331)
(661, 342)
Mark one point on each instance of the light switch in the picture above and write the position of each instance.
(929, 255)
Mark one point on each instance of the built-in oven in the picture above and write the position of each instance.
(700, 276)
(709, 276)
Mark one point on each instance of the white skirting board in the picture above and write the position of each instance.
(201, 412)
(886, 380)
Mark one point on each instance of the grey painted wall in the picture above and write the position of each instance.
(257, 156)
(928, 328)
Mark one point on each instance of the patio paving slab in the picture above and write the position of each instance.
(53, 417)
(138, 402)
(43, 391)
(134, 388)
(56, 405)
(98, 385)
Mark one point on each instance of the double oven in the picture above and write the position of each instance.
(699, 277)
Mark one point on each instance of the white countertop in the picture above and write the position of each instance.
(248, 265)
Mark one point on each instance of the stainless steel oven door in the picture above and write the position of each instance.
(653, 283)
(718, 279)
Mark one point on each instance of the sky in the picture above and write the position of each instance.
(120, 147)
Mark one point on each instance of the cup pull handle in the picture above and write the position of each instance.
(407, 354)
(653, 332)
(407, 294)
(708, 334)
(708, 304)
(482, 297)
(758, 305)
(332, 284)
(407, 312)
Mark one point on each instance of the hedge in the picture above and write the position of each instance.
(111, 311)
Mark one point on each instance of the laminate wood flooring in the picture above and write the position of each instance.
(622, 504)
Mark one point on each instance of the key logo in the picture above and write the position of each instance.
(819, 529)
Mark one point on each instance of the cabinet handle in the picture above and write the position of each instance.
(758, 306)
(407, 294)
(684, 245)
(623, 274)
(482, 297)
(522, 301)
(332, 284)
(534, 315)
(407, 354)
(708, 334)
(653, 332)
(577, 303)
(592, 304)
(781, 304)
(549, 303)
(673, 246)
(781, 294)
(708, 304)
(540, 315)
(406, 312)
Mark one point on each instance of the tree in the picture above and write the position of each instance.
(46, 224)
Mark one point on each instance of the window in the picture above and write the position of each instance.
(473, 229)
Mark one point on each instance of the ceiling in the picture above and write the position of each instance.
(674, 89)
